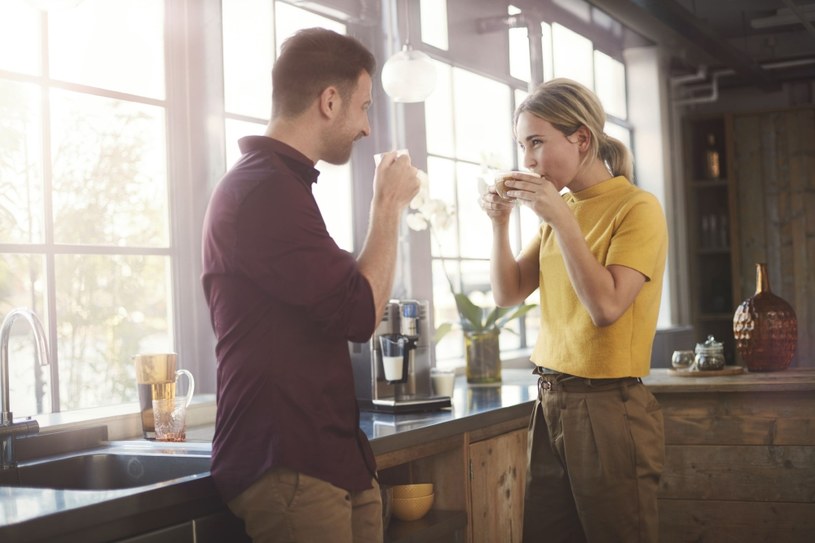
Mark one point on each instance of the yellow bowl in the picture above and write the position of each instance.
(416, 490)
(412, 508)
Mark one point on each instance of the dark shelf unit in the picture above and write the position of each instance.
(709, 197)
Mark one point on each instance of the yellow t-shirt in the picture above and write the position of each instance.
(624, 225)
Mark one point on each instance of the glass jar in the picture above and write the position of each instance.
(682, 360)
(709, 356)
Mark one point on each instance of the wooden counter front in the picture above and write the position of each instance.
(740, 456)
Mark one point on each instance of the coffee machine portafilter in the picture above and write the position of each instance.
(405, 323)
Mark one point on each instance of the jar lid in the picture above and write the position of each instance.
(710, 346)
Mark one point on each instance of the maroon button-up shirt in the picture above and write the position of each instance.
(284, 301)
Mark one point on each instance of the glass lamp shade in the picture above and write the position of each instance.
(409, 76)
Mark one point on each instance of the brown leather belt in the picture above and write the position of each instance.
(551, 380)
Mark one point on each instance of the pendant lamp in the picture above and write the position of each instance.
(409, 75)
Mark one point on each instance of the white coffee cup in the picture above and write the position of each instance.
(443, 382)
(399, 152)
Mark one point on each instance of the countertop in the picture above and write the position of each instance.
(30, 514)
(666, 381)
(37, 514)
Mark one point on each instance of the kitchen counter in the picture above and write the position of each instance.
(29, 514)
(37, 514)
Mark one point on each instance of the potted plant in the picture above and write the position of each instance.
(482, 328)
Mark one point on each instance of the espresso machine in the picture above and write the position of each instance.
(380, 386)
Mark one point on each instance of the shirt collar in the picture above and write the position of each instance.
(294, 159)
(601, 188)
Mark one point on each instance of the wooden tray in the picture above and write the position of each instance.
(727, 370)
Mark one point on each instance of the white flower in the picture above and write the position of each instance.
(428, 212)
(416, 221)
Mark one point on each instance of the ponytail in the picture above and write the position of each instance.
(616, 156)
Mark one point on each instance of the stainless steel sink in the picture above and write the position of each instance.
(109, 468)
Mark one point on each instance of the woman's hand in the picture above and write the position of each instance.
(540, 195)
(500, 198)
(497, 209)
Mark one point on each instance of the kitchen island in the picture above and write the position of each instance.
(190, 510)
(740, 466)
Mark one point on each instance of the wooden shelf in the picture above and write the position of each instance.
(711, 239)
(435, 526)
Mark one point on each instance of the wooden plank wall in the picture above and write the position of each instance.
(740, 467)
(774, 178)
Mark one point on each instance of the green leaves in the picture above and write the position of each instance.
(472, 316)
(441, 331)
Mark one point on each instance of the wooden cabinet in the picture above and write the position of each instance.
(479, 478)
(710, 237)
(497, 480)
(441, 462)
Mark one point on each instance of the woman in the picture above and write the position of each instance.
(596, 444)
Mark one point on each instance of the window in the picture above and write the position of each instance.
(462, 149)
(253, 32)
(84, 217)
(434, 23)
(94, 233)
(462, 146)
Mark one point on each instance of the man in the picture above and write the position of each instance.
(288, 456)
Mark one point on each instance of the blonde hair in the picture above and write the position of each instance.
(568, 105)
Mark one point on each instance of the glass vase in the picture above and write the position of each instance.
(483, 356)
(765, 328)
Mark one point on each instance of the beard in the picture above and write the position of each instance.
(340, 142)
(338, 151)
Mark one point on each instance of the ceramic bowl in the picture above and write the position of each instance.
(415, 490)
(409, 509)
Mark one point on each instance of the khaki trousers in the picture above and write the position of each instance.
(285, 506)
(596, 452)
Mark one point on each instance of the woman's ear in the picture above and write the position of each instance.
(583, 138)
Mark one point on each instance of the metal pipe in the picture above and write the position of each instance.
(713, 86)
(700, 75)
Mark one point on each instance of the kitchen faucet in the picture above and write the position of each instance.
(8, 428)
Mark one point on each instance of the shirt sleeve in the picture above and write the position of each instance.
(285, 248)
(640, 237)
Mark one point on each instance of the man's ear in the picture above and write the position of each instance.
(330, 102)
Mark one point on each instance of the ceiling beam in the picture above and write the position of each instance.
(694, 33)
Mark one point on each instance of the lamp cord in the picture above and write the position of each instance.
(407, 23)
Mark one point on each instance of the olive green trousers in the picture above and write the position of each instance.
(596, 451)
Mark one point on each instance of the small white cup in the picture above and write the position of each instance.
(443, 382)
(393, 367)
(399, 152)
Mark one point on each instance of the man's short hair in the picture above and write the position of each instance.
(311, 60)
